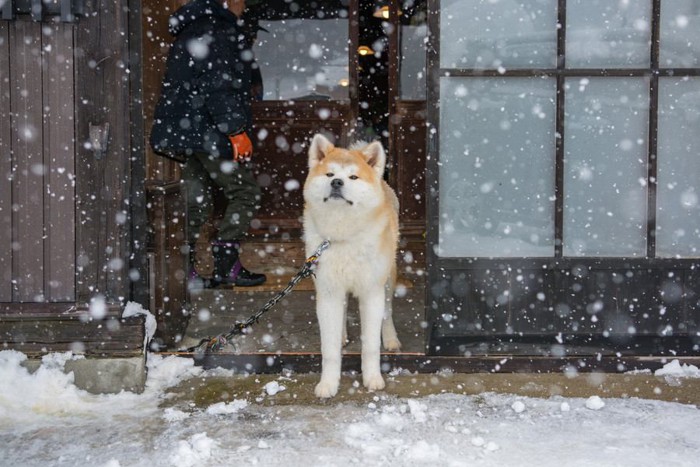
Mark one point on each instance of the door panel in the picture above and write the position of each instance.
(37, 134)
(283, 130)
(308, 69)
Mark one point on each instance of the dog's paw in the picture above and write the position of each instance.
(392, 345)
(373, 382)
(325, 389)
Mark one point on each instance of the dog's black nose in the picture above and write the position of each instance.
(336, 183)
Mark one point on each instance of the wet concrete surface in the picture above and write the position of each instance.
(204, 391)
(291, 325)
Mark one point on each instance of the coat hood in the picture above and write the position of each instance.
(195, 10)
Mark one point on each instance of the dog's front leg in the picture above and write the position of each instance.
(330, 313)
(389, 337)
(371, 316)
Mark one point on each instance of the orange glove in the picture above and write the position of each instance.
(242, 147)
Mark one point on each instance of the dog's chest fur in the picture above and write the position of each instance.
(357, 256)
(353, 266)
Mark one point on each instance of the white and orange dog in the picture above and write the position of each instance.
(347, 202)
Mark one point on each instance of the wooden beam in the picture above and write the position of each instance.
(265, 363)
(5, 163)
(38, 329)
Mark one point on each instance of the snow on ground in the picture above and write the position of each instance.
(45, 421)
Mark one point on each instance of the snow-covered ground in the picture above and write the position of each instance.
(45, 420)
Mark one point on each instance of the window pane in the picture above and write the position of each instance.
(678, 210)
(608, 34)
(304, 58)
(605, 143)
(497, 167)
(680, 34)
(412, 58)
(479, 34)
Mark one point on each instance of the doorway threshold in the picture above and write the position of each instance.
(420, 363)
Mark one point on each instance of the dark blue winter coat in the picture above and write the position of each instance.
(205, 94)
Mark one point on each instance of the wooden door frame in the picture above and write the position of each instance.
(166, 245)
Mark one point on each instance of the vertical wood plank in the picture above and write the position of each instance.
(5, 167)
(28, 174)
(116, 95)
(88, 228)
(138, 218)
(156, 44)
(59, 160)
(103, 183)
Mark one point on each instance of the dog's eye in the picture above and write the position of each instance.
(330, 174)
(353, 177)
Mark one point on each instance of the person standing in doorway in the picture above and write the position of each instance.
(203, 120)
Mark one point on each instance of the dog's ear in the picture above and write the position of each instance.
(375, 157)
(320, 147)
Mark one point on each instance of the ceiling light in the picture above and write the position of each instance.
(382, 12)
(364, 50)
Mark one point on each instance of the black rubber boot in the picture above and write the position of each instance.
(228, 270)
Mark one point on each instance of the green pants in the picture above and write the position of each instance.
(206, 178)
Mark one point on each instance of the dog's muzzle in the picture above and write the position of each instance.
(337, 191)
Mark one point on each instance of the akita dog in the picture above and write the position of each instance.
(347, 202)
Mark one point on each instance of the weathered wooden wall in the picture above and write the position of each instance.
(72, 216)
(37, 150)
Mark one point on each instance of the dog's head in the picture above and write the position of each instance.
(344, 177)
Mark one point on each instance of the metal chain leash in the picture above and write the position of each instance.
(216, 343)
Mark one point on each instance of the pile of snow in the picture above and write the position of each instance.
(135, 309)
(675, 369)
(45, 420)
(196, 450)
(595, 403)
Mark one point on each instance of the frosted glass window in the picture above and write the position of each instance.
(493, 35)
(678, 189)
(305, 58)
(608, 34)
(497, 167)
(412, 67)
(605, 169)
(680, 34)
